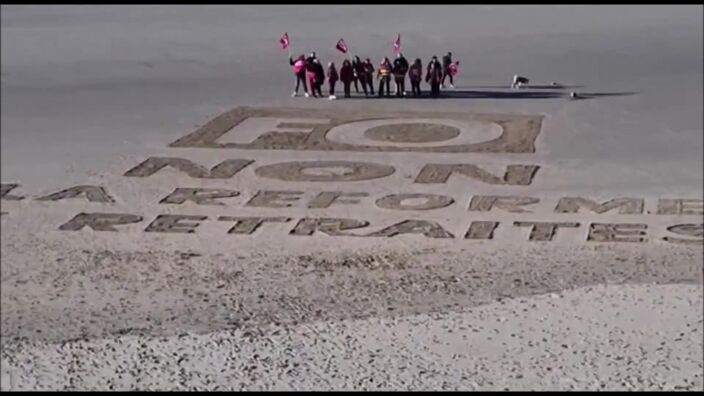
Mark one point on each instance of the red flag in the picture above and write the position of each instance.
(284, 41)
(397, 43)
(341, 46)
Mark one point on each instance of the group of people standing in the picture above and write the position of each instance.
(309, 72)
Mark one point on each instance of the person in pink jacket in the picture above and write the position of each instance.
(299, 70)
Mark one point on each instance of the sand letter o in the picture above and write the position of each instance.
(325, 171)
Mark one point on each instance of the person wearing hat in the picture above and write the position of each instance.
(311, 57)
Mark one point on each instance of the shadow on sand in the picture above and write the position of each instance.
(584, 95)
(512, 94)
(556, 86)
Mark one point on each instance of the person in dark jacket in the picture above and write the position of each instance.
(332, 79)
(434, 77)
(368, 69)
(415, 75)
(299, 70)
(318, 77)
(431, 64)
(356, 68)
(400, 69)
(360, 75)
(310, 58)
(310, 69)
(346, 76)
(384, 74)
(446, 72)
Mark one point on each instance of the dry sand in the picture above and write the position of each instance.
(91, 92)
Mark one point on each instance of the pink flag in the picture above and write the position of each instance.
(284, 41)
(397, 43)
(341, 46)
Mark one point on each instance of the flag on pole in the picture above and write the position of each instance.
(284, 41)
(397, 43)
(341, 46)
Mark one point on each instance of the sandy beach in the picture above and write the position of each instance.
(172, 219)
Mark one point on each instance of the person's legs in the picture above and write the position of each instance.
(370, 81)
(356, 88)
(298, 83)
(332, 88)
(300, 80)
(363, 81)
(403, 87)
(452, 82)
(381, 87)
(388, 86)
(312, 86)
(347, 89)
